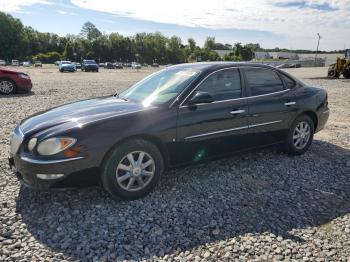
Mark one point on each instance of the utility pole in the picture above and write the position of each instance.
(318, 44)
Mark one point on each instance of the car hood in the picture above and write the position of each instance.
(79, 113)
(67, 65)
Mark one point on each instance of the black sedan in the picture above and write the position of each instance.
(89, 65)
(183, 114)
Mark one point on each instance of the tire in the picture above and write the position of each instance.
(346, 73)
(332, 71)
(117, 164)
(61, 70)
(291, 144)
(7, 87)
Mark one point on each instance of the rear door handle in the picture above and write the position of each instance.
(236, 112)
(289, 103)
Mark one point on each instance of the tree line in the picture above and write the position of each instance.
(25, 43)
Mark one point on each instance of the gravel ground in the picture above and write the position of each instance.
(260, 206)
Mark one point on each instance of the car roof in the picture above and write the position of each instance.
(203, 66)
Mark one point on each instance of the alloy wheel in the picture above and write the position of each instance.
(135, 171)
(301, 135)
(6, 87)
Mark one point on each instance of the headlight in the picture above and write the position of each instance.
(55, 145)
(32, 143)
(25, 76)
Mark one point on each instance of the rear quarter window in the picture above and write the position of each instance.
(263, 81)
(289, 82)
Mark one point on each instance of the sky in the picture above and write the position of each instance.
(292, 24)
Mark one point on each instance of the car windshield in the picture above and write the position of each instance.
(160, 87)
(65, 62)
(90, 62)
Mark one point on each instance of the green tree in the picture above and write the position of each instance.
(191, 44)
(90, 31)
(174, 52)
(49, 57)
(68, 51)
(12, 39)
(245, 52)
(209, 43)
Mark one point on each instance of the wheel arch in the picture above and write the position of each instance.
(152, 139)
(313, 116)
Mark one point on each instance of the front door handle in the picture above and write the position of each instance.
(236, 112)
(290, 103)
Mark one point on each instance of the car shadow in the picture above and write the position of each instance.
(19, 94)
(262, 191)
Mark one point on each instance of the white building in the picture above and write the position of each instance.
(284, 55)
(262, 55)
(276, 55)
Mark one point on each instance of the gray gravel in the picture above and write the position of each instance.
(259, 206)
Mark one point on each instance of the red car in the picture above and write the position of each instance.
(12, 81)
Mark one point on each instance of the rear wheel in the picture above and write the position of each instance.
(300, 135)
(132, 169)
(346, 72)
(7, 87)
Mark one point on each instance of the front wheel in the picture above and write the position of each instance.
(132, 169)
(300, 135)
(7, 87)
(346, 73)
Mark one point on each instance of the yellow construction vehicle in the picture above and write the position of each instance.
(341, 67)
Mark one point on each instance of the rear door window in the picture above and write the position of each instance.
(262, 81)
(222, 85)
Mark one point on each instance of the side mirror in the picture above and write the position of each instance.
(201, 98)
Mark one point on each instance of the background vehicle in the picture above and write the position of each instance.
(155, 65)
(341, 67)
(15, 63)
(12, 81)
(38, 64)
(2, 62)
(135, 65)
(27, 64)
(77, 65)
(89, 65)
(109, 65)
(101, 65)
(57, 63)
(118, 65)
(183, 114)
(66, 66)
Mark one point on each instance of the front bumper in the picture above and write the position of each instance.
(91, 68)
(75, 172)
(70, 69)
(24, 85)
